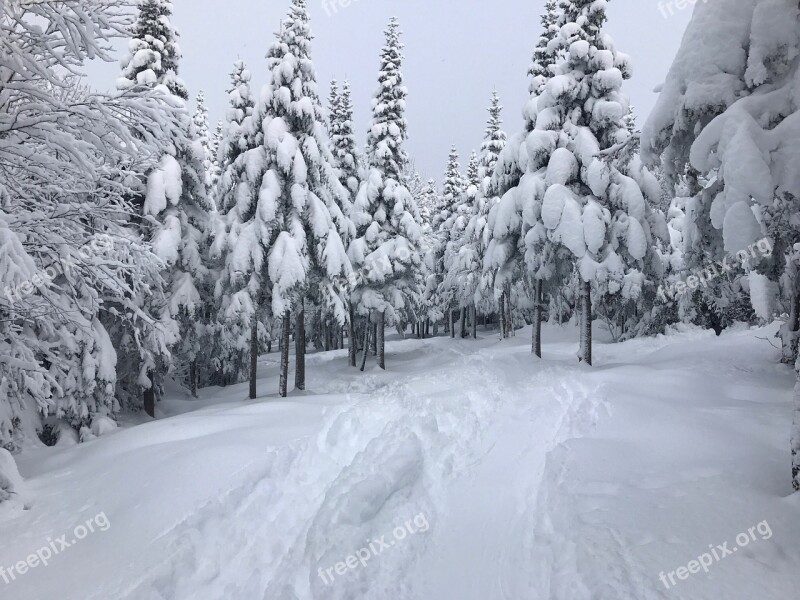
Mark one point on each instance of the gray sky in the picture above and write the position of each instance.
(456, 53)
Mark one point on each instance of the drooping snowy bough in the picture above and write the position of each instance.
(728, 115)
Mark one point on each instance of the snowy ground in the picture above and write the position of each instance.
(468, 471)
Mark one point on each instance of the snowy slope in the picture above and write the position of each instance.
(507, 478)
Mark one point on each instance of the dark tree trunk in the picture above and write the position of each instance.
(510, 314)
(353, 354)
(503, 326)
(380, 329)
(474, 323)
(283, 386)
(537, 321)
(367, 330)
(427, 328)
(193, 378)
(451, 323)
(463, 318)
(253, 357)
(149, 399)
(374, 340)
(586, 326)
(791, 340)
(300, 349)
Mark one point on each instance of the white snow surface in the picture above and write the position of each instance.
(538, 479)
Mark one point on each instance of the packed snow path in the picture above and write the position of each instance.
(468, 471)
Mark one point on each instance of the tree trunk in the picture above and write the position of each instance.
(380, 328)
(503, 327)
(283, 386)
(253, 357)
(193, 378)
(367, 330)
(451, 323)
(790, 337)
(351, 331)
(149, 399)
(796, 439)
(300, 349)
(510, 314)
(537, 321)
(474, 322)
(374, 339)
(463, 322)
(586, 325)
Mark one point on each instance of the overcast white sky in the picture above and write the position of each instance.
(456, 53)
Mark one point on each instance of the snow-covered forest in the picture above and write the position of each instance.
(563, 368)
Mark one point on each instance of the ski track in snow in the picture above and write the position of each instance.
(395, 450)
(521, 468)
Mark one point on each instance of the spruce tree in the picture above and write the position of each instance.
(479, 235)
(348, 164)
(154, 54)
(233, 342)
(386, 251)
(176, 206)
(283, 237)
(733, 138)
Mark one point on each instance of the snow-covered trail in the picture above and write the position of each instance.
(513, 478)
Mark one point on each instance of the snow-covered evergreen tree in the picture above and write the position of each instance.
(154, 54)
(461, 261)
(544, 56)
(479, 236)
(727, 118)
(204, 137)
(283, 237)
(386, 252)
(235, 140)
(577, 205)
(176, 202)
(346, 152)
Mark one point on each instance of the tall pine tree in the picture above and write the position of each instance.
(386, 252)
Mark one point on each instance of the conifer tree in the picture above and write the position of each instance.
(348, 165)
(154, 54)
(283, 238)
(176, 204)
(479, 235)
(386, 251)
(733, 138)
(232, 344)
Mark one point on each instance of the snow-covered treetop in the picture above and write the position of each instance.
(473, 173)
(235, 140)
(343, 139)
(494, 140)
(729, 109)
(545, 52)
(153, 52)
(389, 130)
(288, 217)
(201, 116)
(452, 190)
